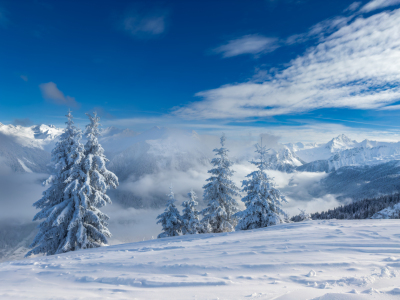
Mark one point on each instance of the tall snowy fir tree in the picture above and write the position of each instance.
(59, 202)
(70, 206)
(190, 216)
(263, 201)
(96, 181)
(219, 194)
(170, 219)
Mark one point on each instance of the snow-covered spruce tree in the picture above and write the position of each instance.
(218, 194)
(205, 227)
(170, 219)
(60, 202)
(70, 205)
(263, 201)
(96, 181)
(190, 216)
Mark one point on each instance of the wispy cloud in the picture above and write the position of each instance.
(353, 6)
(144, 25)
(391, 107)
(24, 78)
(355, 67)
(320, 30)
(51, 93)
(378, 4)
(248, 44)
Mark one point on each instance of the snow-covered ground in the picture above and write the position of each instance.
(307, 260)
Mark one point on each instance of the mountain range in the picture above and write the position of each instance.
(351, 166)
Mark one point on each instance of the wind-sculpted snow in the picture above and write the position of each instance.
(332, 260)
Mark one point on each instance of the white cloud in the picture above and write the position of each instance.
(355, 67)
(377, 4)
(138, 25)
(51, 93)
(248, 44)
(391, 107)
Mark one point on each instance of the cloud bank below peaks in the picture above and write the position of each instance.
(355, 67)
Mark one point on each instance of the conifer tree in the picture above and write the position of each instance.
(304, 216)
(219, 193)
(205, 227)
(190, 217)
(263, 201)
(70, 206)
(59, 207)
(170, 219)
(96, 181)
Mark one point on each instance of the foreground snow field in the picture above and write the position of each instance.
(309, 260)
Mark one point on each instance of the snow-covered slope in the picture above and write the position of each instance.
(332, 260)
(38, 136)
(22, 157)
(363, 181)
(27, 149)
(392, 212)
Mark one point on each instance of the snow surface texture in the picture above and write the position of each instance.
(332, 260)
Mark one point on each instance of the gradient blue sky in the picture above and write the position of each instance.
(309, 65)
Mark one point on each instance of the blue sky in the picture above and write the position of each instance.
(313, 66)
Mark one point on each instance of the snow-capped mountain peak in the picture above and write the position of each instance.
(46, 132)
(284, 160)
(340, 142)
(368, 144)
